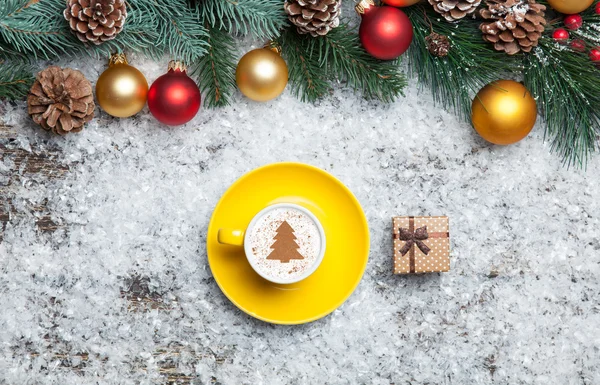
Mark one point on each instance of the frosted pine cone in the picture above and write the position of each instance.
(316, 17)
(96, 21)
(513, 25)
(453, 10)
(438, 45)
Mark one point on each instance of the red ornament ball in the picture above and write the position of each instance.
(573, 22)
(560, 35)
(401, 3)
(174, 98)
(595, 55)
(578, 45)
(385, 32)
(597, 8)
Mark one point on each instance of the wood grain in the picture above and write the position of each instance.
(44, 165)
(41, 164)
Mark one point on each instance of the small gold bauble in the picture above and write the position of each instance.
(503, 112)
(121, 90)
(261, 74)
(570, 7)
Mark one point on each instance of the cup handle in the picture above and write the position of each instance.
(232, 237)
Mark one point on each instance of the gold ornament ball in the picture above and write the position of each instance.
(503, 112)
(121, 90)
(261, 74)
(570, 7)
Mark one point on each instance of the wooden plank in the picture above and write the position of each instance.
(41, 164)
(44, 164)
(141, 298)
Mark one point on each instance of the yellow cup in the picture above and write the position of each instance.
(239, 238)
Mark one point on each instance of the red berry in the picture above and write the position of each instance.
(595, 54)
(578, 45)
(573, 22)
(561, 35)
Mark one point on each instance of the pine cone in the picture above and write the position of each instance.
(96, 21)
(438, 45)
(61, 100)
(316, 17)
(453, 10)
(515, 26)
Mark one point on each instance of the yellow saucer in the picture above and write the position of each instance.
(346, 232)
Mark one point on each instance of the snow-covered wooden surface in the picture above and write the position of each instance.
(104, 277)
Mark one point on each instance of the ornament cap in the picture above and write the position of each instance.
(117, 58)
(273, 46)
(364, 6)
(175, 65)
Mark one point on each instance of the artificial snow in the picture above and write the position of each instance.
(521, 304)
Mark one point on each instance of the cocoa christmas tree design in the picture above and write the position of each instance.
(285, 247)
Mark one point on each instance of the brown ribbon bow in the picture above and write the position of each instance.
(414, 238)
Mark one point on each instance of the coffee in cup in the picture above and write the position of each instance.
(284, 243)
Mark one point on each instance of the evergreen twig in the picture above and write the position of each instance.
(314, 62)
(216, 69)
(36, 29)
(342, 52)
(261, 18)
(470, 64)
(153, 27)
(566, 85)
(15, 80)
(307, 79)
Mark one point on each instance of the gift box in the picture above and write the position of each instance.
(421, 245)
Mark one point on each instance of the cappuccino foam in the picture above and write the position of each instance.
(284, 251)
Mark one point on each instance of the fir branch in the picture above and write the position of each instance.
(182, 33)
(216, 69)
(314, 62)
(153, 27)
(261, 18)
(38, 29)
(470, 64)
(342, 52)
(15, 80)
(307, 78)
(7, 52)
(565, 85)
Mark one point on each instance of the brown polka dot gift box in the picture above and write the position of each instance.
(421, 245)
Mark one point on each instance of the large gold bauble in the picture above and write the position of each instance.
(503, 112)
(121, 90)
(261, 74)
(570, 7)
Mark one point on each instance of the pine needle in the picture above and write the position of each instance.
(216, 69)
(314, 62)
(471, 63)
(153, 27)
(308, 79)
(15, 80)
(260, 18)
(566, 85)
